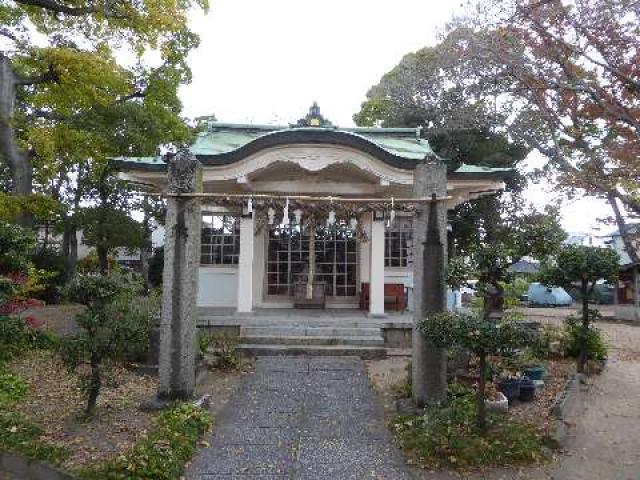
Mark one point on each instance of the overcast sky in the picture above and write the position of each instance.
(266, 61)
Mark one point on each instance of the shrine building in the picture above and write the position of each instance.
(309, 214)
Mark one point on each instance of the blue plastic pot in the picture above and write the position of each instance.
(510, 388)
(527, 390)
(535, 373)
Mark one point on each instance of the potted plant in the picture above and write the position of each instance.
(535, 372)
(527, 390)
(495, 401)
(510, 386)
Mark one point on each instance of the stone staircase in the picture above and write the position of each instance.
(329, 332)
(313, 338)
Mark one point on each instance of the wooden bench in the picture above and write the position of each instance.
(395, 296)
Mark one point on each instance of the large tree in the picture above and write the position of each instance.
(432, 89)
(425, 90)
(65, 99)
(566, 76)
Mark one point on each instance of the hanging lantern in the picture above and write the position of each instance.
(285, 214)
(353, 223)
(331, 219)
(271, 213)
(298, 216)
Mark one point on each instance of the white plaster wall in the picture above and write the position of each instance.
(217, 286)
(365, 250)
(259, 252)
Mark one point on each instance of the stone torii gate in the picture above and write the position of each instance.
(178, 342)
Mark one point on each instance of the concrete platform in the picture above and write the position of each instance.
(331, 332)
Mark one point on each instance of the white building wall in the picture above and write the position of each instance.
(217, 286)
(259, 264)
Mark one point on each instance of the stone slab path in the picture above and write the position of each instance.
(302, 418)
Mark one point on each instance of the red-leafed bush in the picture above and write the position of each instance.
(17, 305)
(33, 322)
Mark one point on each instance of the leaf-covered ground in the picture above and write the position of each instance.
(54, 401)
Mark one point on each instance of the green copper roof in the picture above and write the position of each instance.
(222, 138)
(464, 168)
(157, 160)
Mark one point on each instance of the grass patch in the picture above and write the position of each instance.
(19, 435)
(12, 388)
(163, 453)
(222, 346)
(446, 437)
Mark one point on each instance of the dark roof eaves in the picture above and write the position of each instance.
(126, 165)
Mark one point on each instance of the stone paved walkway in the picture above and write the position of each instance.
(305, 419)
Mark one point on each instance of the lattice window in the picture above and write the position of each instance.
(287, 257)
(398, 243)
(336, 255)
(220, 241)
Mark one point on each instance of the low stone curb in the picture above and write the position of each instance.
(27, 469)
(563, 407)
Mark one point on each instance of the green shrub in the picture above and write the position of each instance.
(591, 336)
(17, 337)
(16, 245)
(91, 264)
(53, 262)
(446, 436)
(115, 327)
(551, 341)
(513, 292)
(163, 453)
(12, 388)
(17, 434)
(223, 347)
(479, 335)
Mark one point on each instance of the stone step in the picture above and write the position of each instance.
(366, 353)
(304, 331)
(366, 341)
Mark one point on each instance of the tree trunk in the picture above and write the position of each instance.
(493, 306)
(70, 249)
(481, 420)
(145, 251)
(583, 354)
(103, 259)
(17, 160)
(94, 384)
(622, 228)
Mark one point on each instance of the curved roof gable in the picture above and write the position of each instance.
(222, 144)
